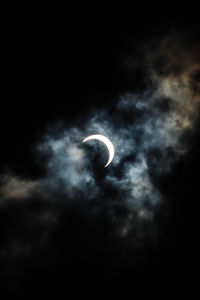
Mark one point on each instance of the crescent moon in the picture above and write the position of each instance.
(106, 141)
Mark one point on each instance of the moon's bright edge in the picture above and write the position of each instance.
(106, 141)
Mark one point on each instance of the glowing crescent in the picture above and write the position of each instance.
(106, 141)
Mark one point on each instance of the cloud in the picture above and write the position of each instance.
(149, 132)
(14, 187)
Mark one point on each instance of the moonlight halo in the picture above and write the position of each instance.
(106, 141)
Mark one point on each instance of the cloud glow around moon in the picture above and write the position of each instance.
(106, 141)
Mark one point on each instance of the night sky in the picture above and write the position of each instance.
(67, 224)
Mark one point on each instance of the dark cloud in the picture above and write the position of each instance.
(82, 216)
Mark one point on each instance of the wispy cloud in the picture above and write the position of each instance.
(148, 131)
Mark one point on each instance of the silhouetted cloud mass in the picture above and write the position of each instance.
(149, 131)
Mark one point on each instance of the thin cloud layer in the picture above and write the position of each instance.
(149, 132)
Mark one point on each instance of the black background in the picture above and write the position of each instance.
(58, 62)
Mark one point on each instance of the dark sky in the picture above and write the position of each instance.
(132, 73)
